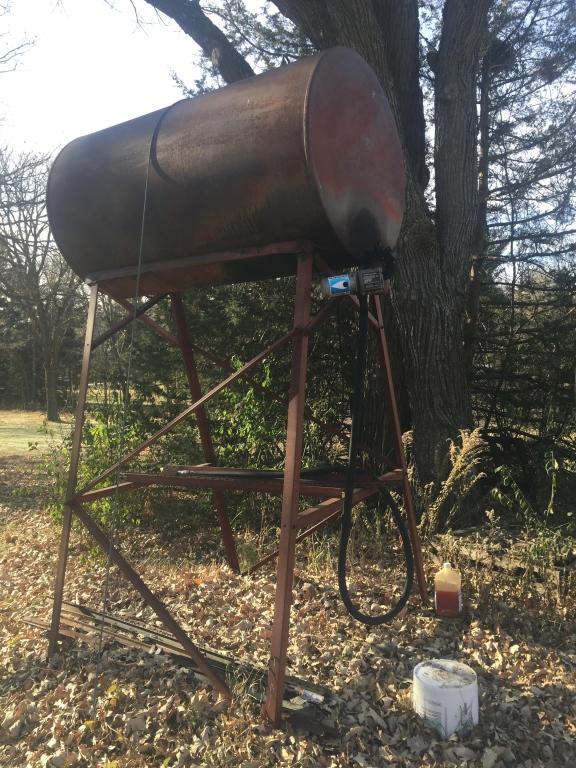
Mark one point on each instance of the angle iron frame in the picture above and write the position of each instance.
(295, 525)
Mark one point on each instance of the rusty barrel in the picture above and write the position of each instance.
(306, 152)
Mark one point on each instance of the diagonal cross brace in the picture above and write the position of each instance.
(150, 598)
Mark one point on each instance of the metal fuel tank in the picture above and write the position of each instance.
(308, 151)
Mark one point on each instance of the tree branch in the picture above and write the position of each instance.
(214, 44)
(313, 18)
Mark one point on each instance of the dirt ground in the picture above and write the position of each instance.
(126, 708)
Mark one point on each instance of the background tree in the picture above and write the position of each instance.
(9, 52)
(39, 296)
(522, 292)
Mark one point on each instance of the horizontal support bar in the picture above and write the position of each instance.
(262, 485)
(395, 477)
(325, 509)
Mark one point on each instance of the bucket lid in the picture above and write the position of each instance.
(444, 673)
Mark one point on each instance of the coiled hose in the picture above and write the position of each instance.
(346, 529)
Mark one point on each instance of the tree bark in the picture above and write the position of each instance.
(51, 386)
(431, 321)
(436, 257)
(399, 28)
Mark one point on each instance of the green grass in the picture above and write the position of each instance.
(21, 431)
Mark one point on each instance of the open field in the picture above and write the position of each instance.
(133, 709)
(21, 431)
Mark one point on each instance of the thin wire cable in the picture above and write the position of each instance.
(121, 442)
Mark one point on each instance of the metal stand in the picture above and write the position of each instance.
(295, 524)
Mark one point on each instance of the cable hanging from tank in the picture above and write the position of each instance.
(123, 414)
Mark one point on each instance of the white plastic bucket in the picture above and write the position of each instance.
(445, 694)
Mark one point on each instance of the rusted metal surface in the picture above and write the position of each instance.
(222, 482)
(326, 508)
(73, 470)
(199, 270)
(203, 428)
(306, 151)
(292, 468)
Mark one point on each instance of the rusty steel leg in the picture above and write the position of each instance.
(203, 427)
(72, 473)
(399, 450)
(288, 530)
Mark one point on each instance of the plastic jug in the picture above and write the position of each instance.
(448, 592)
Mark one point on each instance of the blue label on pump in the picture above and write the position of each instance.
(339, 284)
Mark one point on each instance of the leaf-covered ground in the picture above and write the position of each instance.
(128, 708)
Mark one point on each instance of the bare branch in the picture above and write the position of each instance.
(9, 57)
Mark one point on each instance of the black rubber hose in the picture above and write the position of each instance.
(356, 429)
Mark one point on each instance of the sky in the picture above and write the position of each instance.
(90, 66)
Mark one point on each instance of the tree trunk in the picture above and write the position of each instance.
(477, 272)
(431, 317)
(51, 386)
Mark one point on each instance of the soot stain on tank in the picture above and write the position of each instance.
(363, 231)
